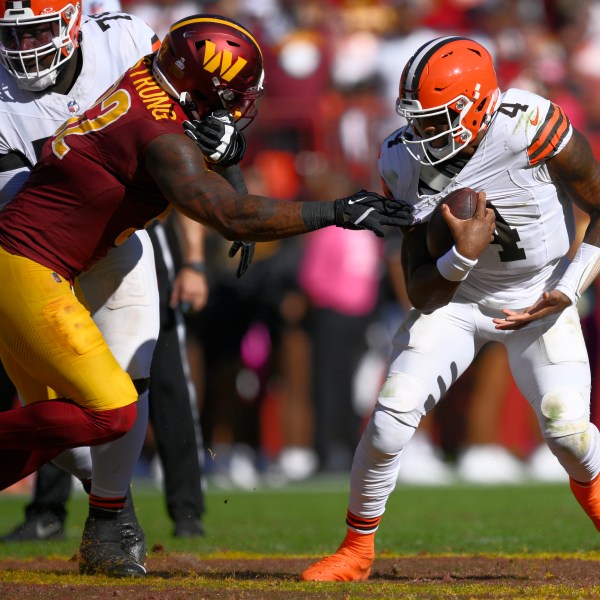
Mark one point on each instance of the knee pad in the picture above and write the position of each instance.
(564, 422)
(564, 412)
(387, 433)
(404, 397)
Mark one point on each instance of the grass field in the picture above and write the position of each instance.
(305, 521)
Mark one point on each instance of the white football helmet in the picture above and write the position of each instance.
(37, 37)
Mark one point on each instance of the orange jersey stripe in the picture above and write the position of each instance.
(549, 136)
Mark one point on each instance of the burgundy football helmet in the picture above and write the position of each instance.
(209, 62)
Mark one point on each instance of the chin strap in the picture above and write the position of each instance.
(39, 83)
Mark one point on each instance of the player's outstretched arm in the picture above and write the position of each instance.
(178, 168)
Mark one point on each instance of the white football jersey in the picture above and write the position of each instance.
(111, 43)
(534, 219)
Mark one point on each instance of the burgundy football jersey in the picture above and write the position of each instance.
(90, 190)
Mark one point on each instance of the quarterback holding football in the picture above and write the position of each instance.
(506, 278)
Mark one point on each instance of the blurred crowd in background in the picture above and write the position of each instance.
(288, 359)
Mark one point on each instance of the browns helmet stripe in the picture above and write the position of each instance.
(17, 4)
(549, 136)
(414, 68)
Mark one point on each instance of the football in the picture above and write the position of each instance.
(462, 204)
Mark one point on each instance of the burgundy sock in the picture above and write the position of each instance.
(110, 505)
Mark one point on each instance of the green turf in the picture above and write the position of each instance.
(308, 519)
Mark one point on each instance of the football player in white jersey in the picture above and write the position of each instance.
(54, 67)
(506, 279)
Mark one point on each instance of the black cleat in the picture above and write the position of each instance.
(36, 528)
(101, 553)
(133, 539)
(113, 544)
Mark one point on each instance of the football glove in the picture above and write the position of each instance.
(246, 255)
(216, 135)
(363, 210)
(369, 210)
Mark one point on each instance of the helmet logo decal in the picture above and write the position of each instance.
(224, 59)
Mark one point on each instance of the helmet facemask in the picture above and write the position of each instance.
(52, 34)
(449, 125)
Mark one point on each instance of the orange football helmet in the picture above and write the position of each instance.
(209, 62)
(37, 37)
(453, 80)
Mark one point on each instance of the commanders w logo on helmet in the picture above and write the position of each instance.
(223, 59)
(209, 62)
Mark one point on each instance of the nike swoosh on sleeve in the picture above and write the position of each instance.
(535, 120)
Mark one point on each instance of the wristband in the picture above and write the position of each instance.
(195, 265)
(318, 214)
(580, 273)
(454, 266)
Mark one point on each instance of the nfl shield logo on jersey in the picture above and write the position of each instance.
(73, 106)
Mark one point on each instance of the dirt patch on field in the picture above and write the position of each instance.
(180, 576)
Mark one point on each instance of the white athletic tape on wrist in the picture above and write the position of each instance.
(453, 266)
(582, 271)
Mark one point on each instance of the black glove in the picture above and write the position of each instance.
(368, 210)
(220, 142)
(245, 256)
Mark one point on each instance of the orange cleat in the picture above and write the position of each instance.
(351, 562)
(588, 496)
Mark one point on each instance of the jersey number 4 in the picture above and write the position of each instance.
(507, 237)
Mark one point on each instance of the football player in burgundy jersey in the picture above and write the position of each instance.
(125, 162)
(506, 279)
(54, 67)
(119, 290)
